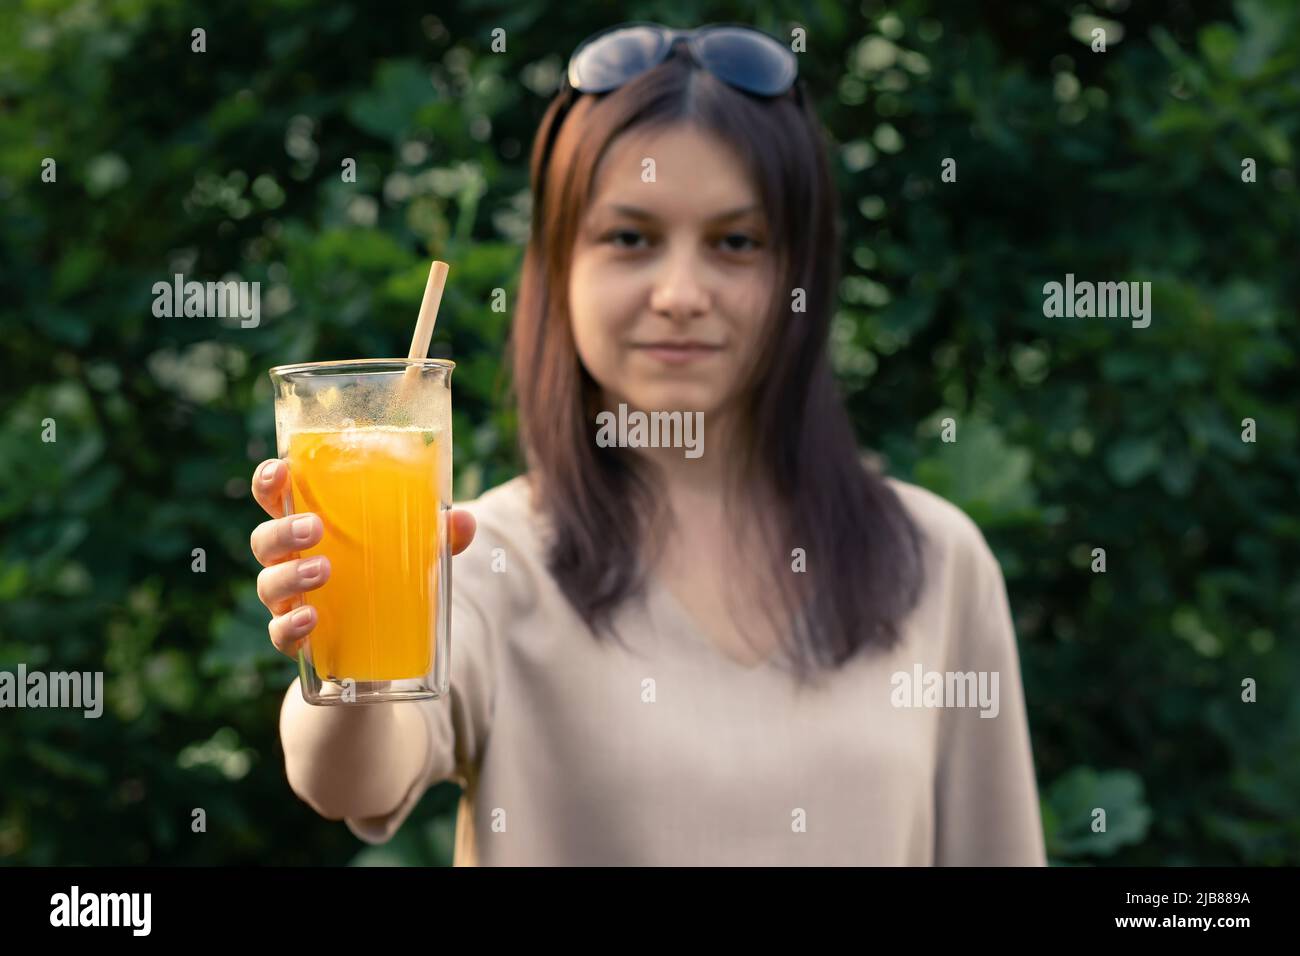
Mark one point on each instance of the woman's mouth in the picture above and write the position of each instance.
(677, 353)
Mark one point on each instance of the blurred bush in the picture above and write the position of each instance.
(1073, 434)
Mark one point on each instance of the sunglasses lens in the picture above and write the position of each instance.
(614, 58)
(752, 61)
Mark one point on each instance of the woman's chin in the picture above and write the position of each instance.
(675, 399)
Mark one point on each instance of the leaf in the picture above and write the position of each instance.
(77, 269)
(1177, 472)
(981, 474)
(239, 638)
(1219, 44)
(67, 765)
(1073, 800)
(389, 107)
(1131, 458)
(1126, 366)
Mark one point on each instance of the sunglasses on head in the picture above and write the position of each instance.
(741, 56)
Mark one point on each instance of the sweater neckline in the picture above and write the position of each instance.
(683, 621)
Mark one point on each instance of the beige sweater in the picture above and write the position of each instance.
(574, 752)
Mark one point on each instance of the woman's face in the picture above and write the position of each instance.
(671, 280)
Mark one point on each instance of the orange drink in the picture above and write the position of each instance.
(376, 490)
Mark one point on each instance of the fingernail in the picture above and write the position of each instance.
(269, 472)
(309, 569)
(302, 528)
(300, 617)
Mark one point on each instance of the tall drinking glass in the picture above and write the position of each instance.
(368, 443)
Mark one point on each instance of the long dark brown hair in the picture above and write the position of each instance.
(862, 550)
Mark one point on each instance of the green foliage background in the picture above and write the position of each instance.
(1073, 434)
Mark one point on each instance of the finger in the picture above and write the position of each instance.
(278, 540)
(288, 630)
(268, 485)
(463, 527)
(280, 585)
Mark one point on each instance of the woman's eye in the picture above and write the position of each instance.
(613, 237)
(753, 243)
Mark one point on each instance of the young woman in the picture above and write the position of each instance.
(741, 652)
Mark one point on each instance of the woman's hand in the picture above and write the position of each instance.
(283, 578)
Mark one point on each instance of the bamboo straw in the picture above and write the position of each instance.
(424, 325)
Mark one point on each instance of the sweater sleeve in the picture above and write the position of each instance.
(986, 795)
(457, 725)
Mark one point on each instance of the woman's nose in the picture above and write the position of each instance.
(678, 292)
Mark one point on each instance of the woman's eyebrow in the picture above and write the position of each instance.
(635, 212)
